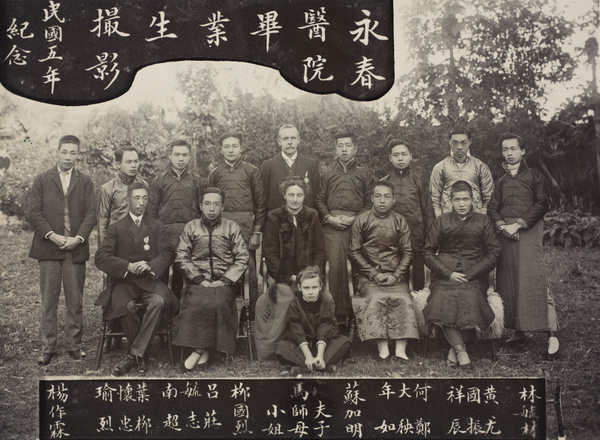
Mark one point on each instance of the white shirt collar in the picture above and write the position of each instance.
(290, 160)
(68, 173)
(135, 217)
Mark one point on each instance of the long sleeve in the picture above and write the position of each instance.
(154, 198)
(493, 207)
(89, 210)
(326, 328)
(265, 174)
(405, 251)
(426, 206)
(104, 204)
(295, 320)
(183, 255)
(321, 198)
(538, 209)
(106, 259)
(240, 253)
(271, 246)
(486, 183)
(166, 253)
(359, 262)
(35, 213)
(259, 200)
(367, 202)
(492, 253)
(432, 244)
(436, 188)
(315, 177)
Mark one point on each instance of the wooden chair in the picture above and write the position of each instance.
(108, 332)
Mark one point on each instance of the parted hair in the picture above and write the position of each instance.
(179, 143)
(308, 273)
(69, 139)
(212, 190)
(121, 150)
(395, 142)
(292, 181)
(459, 129)
(505, 136)
(136, 184)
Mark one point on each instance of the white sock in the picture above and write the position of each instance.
(382, 346)
(401, 348)
(552, 344)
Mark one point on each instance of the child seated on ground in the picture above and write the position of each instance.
(312, 339)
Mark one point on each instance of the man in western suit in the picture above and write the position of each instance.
(62, 213)
(289, 163)
(135, 253)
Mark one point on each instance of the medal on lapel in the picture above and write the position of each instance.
(146, 245)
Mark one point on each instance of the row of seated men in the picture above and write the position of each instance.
(344, 192)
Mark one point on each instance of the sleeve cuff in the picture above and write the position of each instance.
(322, 343)
(522, 223)
(81, 238)
(302, 344)
(198, 279)
(500, 223)
(48, 234)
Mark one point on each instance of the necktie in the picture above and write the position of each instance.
(137, 222)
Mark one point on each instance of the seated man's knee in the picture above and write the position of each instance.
(155, 301)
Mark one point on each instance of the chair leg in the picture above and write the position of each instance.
(352, 328)
(249, 334)
(493, 350)
(170, 345)
(100, 345)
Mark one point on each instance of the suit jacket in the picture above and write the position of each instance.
(275, 169)
(46, 213)
(124, 243)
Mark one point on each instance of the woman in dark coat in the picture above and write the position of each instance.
(461, 249)
(312, 339)
(292, 240)
(517, 209)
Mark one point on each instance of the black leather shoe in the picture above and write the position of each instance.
(141, 364)
(124, 366)
(77, 354)
(45, 359)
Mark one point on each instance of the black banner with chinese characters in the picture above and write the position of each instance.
(88, 51)
(294, 408)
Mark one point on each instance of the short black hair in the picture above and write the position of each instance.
(508, 135)
(460, 185)
(69, 139)
(395, 142)
(460, 129)
(179, 143)
(212, 190)
(382, 183)
(231, 134)
(292, 181)
(121, 150)
(136, 184)
(345, 134)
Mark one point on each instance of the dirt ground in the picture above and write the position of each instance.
(574, 278)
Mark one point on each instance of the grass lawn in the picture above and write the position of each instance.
(574, 278)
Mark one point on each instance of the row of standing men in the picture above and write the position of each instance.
(339, 195)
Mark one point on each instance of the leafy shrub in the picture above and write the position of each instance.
(571, 229)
